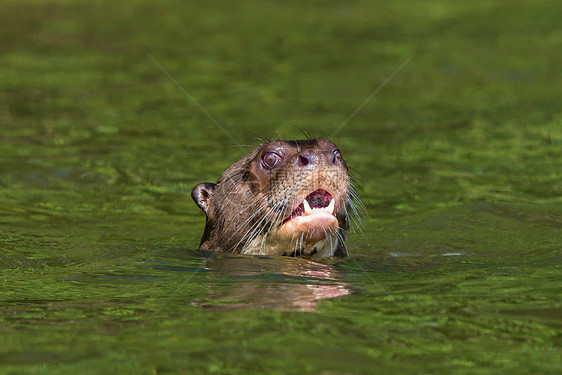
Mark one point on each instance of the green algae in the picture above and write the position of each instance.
(456, 267)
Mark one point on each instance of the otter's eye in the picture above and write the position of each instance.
(337, 156)
(270, 160)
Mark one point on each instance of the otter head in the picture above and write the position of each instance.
(284, 198)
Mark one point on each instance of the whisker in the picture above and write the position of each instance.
(255, 230)
(190, 97)
(341, 238)
(381, 86)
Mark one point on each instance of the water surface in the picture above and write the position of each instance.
(454, 269)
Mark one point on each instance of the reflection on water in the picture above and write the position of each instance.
(279, 283)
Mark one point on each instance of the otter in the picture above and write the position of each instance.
(283, 198)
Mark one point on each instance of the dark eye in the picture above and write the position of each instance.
(270, 160)
(337, 156)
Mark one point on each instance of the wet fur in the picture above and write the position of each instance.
(239, 209)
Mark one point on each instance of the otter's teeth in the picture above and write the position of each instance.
(331, 206)
(307, 209)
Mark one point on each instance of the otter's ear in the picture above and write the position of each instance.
(202, 193)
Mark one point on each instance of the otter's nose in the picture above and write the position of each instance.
(303, 160)
(310, 159)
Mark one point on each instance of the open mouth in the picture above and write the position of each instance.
(318, 202)
(313, 220)
(311, 227)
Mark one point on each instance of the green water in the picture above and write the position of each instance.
(455, 269)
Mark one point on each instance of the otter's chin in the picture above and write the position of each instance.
(310, 229)
(313, 220)
(313, 226)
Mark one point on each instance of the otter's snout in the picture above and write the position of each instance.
(317, 159)
(303, 160)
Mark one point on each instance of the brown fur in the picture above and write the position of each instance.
(250, 198)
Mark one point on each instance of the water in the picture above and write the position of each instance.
(455, 268)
